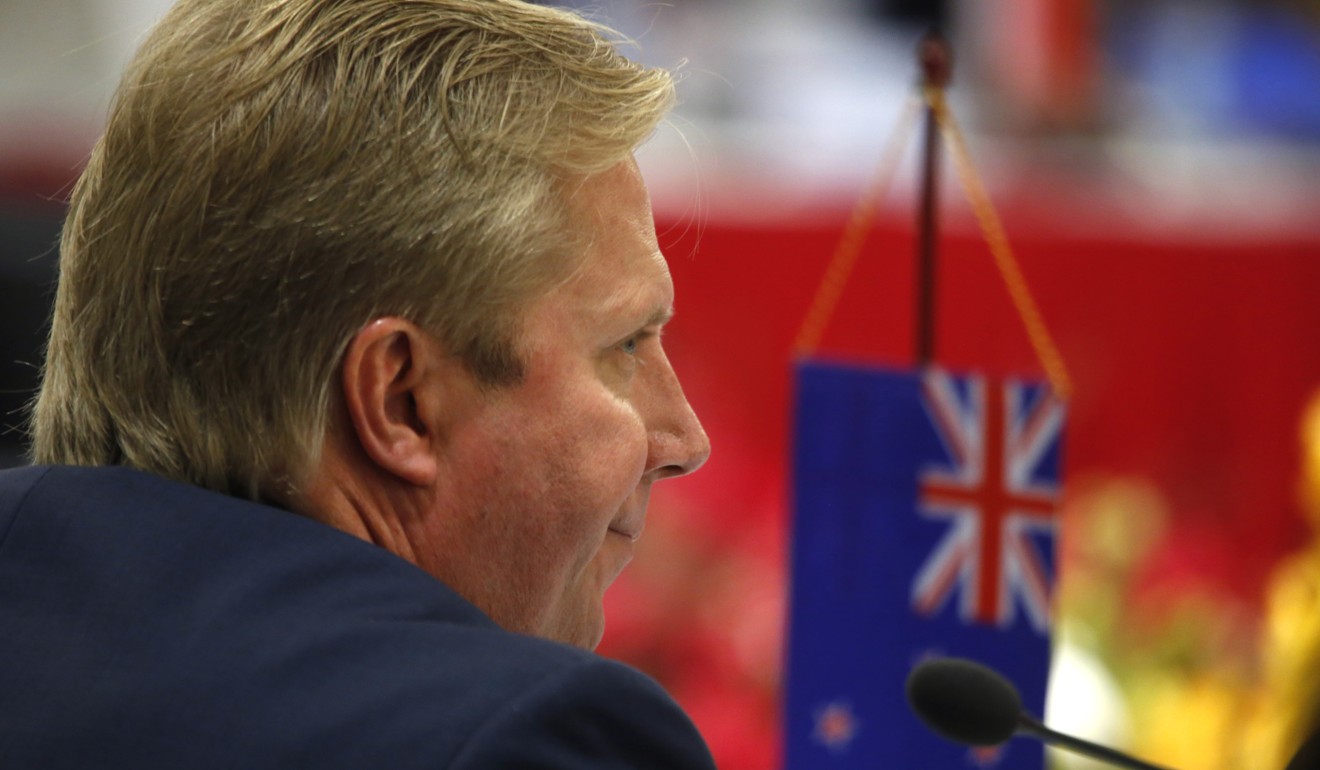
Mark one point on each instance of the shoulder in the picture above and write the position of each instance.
(418, 694)
(589, 713)
(15, 485)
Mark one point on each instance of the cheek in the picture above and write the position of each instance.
(569, 467)
(599, 456)
(606, 452)
(562, 466)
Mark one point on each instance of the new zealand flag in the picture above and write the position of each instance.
(925, 519)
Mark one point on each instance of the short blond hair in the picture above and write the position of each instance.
(277, 173)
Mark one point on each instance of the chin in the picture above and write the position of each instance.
(594, 641)
(583, 630)
(589, 633)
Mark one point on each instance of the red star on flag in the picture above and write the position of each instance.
(835, 726)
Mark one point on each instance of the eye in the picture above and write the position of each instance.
(629, 346)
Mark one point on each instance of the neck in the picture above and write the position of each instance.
(352, 497)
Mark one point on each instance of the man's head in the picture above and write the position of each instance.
(277, 173)
(388, 263)
(526, 499)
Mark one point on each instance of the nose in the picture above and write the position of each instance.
(677, 444)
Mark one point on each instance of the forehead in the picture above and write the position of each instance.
(620, 268)
(612, 197)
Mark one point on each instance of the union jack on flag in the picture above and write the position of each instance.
(924, 523)
(991, 491)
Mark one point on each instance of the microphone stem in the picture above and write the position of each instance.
(1029, 726)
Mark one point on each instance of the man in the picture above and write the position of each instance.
(357, 344)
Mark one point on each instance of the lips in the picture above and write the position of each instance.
(628, 528)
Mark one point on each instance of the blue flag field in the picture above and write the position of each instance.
(924, 524)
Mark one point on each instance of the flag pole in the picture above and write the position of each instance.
(936, 61)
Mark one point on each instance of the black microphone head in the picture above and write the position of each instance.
(964, 701)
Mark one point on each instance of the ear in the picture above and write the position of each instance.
(386, 369)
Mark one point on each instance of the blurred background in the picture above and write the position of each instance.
(1157, 168)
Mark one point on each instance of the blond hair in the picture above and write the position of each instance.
(277, 173)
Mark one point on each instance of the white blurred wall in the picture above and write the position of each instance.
(789, 102)
(59, 63)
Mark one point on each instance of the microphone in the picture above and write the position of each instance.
(965, 702)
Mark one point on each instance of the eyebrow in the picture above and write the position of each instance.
(661, 316)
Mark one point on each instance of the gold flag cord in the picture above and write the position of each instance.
(845, 256)
(993, 231)
(854, 237)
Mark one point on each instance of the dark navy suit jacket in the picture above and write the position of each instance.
(150, 624)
